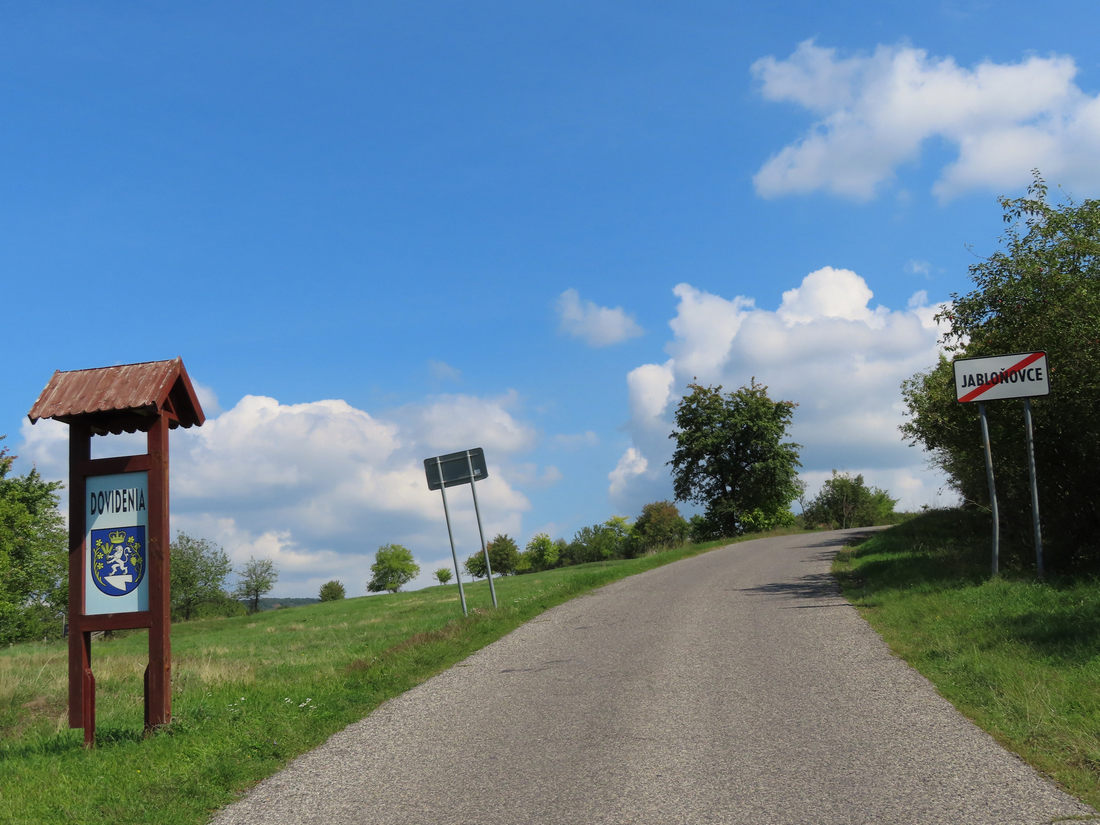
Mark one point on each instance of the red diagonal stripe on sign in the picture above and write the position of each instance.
(974, 393)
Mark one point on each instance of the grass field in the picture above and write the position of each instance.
(249, 694)
(1019, 657)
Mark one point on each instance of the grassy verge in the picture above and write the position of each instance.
(1019, 657)
(249, 694)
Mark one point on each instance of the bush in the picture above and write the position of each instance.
(332, 591)
(610, 540)
(475, 566)
(846, 501)
(660, 525)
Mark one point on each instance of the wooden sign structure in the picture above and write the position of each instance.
(118, 518)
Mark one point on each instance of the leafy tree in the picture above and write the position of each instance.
(660, 525)
(731, 458)
(846, 501)
(475, 566)
(1039, 291)
(563, 551)
(254, 579)
(443, 575)
(198, 571)
(393, 567)
(503, 554)
(615, 540)
(33, 556)
(332, 591)
(503, 558)
(542, 553)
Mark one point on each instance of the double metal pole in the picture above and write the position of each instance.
(992, 488)
(1038, 532)
(480, 530)
(477, 511)
(1036, 526)
(451, 536)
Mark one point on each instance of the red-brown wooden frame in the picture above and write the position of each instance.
(158, 674)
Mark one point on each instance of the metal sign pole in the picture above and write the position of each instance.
(1034, 489)
(484, 549)
(992, 488)
(450, 535)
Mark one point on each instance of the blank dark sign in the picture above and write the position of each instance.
(455, 468)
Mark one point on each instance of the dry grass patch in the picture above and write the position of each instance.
(211, 671)
(43, 672)
(124, 666)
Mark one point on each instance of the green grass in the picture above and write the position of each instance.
(1019, 657)
(248, 694)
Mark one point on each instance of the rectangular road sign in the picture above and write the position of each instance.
(455, 468)
(1021, 375)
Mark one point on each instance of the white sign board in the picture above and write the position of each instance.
(117, 514)
(1021, 375)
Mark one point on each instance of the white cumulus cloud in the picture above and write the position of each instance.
(631, 464)
(874, 111)
(317, 487)
(827, 347)
(596, 325)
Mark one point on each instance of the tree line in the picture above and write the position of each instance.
(659, 527)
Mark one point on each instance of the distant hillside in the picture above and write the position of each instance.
(275, 604)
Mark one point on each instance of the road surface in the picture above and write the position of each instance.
(734, 687)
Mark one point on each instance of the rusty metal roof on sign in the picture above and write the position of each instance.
(124, 398)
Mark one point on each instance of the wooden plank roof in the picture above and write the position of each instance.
(124, 398)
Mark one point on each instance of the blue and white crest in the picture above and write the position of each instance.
(118, 559)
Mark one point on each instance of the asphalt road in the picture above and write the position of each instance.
(734, 687)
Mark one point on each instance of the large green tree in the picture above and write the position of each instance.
(1039, 291)
(199, 568)
(33, 556)
(732, 458)
(393, 567)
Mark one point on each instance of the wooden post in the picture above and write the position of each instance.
(80, 652)
(158, 704)
(87, 705)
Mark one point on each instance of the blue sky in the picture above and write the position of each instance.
(378, 232)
